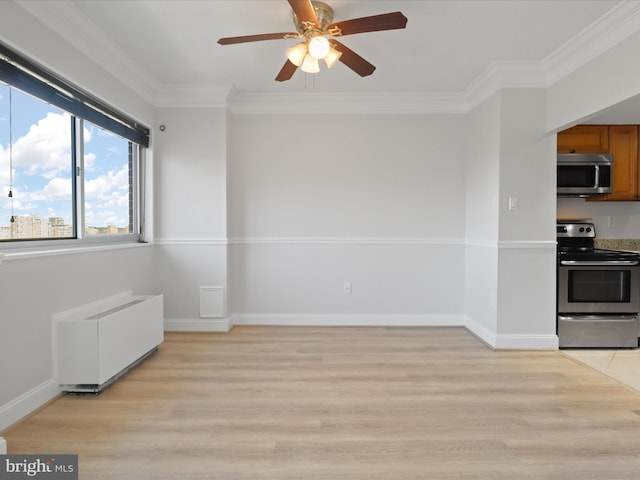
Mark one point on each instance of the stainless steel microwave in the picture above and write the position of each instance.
(584, 174)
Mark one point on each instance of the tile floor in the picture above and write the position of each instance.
(621, 365)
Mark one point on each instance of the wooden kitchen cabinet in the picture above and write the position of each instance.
(584, 139)
(623, 144)
(619, 140)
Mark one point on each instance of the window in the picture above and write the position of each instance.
(109, 167)
(70, 167)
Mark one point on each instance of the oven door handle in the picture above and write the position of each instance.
(603, 263)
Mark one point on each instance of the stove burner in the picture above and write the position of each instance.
(596, 255)
(576, 242)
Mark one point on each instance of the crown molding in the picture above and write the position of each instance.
(191, 95)
(615, 26)
(73, 26)
(351, 103)
(622, 21)
(501, 75)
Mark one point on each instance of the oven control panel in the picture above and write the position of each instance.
(583, 230)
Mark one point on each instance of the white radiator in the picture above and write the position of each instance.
(96, 344)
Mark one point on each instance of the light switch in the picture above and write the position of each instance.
(513, 203)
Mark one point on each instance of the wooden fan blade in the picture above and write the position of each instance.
(258, 38)
(375, 23)
(352, 60)
(304, 11)
(287, 72)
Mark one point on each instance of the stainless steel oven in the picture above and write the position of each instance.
(605, 286)
(598, 291)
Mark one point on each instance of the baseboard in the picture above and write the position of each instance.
(348, 320)
(526, 342)
(28, 402)
(480, 331)
(197, 325)
(510, 341)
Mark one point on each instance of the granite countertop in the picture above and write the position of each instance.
(627, 244)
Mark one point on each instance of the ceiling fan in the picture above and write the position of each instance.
(314, 22)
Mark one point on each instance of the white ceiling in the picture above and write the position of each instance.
(445, 48)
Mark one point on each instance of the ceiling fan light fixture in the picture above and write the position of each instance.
(297, 53)
(310, 64)
(332, 57)
(319, 47)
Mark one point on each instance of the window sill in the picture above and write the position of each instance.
(29, 253)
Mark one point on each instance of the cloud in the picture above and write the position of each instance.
(57, 189)
(102, 186)
(44, 153)
(4, 166)
(22, 202)
(45, 149)
(89, 161)
(107, 199)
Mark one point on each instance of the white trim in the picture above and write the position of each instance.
(10, 255)
(70, 23)
(482, 243)
(510, 341)
(527, 244)
(191, 241)
(28, 402)
(526, 342)
(197, 325)
(504, 74)
(513, 244)
(345, 241)
(480, 331)
(543, 244)
(349, 320)
(622, 21)
(347, 103)
(191, 96)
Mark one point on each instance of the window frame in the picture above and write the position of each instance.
(48, 88)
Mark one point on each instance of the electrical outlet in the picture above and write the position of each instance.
(611, 221)
(346, 287)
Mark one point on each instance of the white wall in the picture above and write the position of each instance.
(510, 254)
(408, 208)
(317, 200)
(527, 255)
(190, 210)
(482, 185)
(31, 290)
(605, 81)
(41, 43)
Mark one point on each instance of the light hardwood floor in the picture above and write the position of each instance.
(345, 403)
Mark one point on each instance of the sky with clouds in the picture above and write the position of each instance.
(41, 159)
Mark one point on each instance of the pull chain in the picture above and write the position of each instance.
(13, 218)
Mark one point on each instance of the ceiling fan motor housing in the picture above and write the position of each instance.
(323, 12)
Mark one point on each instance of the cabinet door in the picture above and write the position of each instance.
(584, 139)
(623, 142)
